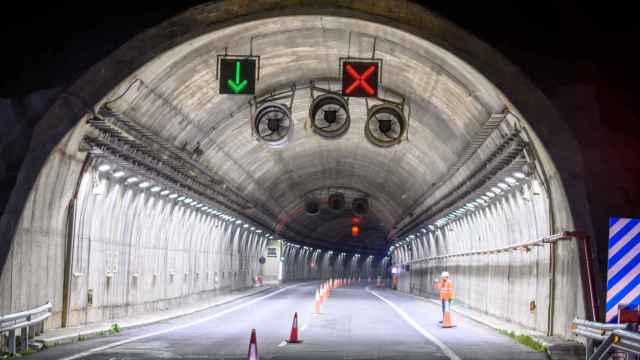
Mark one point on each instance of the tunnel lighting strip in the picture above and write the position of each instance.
(128, 137)
(502, 157)
(143, 179)
(507, 161)
(488, 194)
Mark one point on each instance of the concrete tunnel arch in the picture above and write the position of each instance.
(40, 199)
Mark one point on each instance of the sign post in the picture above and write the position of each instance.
(623, 267)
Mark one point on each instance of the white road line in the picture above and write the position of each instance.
(445, 349)
(283, 343)
(179, 327)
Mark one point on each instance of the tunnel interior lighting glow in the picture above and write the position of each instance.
(205, 208)
(510, 180)
(144, 184)
(519, 175)
(173, 196)
(245, 225)
(199, 206)
(164, 192)
(239, 222)
(503, 185)
(485, 198)
(104, 167)
(496, 190)
(258, 231)
(132, 180)
(155, 189)
(118, 174)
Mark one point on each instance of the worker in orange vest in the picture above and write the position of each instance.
(445, 285)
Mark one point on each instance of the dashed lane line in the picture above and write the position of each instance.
(445, 349)
(179, 327)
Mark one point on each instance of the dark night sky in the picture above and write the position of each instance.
(556, 42)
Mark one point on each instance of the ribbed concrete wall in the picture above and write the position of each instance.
(137, 252)
(307, 264)
(503, 284)
(33, 273)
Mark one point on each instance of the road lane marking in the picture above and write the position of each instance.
(445, 349)
(179, 327)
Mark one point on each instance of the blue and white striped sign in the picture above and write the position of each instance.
(623, 270)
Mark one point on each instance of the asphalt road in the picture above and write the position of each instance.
(355, 323)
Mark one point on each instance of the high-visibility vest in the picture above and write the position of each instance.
(446, 289)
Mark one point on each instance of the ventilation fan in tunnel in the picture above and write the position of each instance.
(312, 206)
(385, 125)
(273, 124)
(360, 206)
(329, 114)
(336, 201)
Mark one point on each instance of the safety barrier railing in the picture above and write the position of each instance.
(584, 248)
(605, 339)
(23, 321)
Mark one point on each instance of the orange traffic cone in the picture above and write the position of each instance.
(293, 337)
(323, 293)
(446, 318)
(316, 305)
(253, 347)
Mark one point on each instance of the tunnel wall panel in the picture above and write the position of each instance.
(123, 228)
(502, 284)
(140, 252)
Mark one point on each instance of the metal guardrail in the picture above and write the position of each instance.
(603, 340)
(23, 321)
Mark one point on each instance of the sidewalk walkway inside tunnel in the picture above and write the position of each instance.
(356, 322)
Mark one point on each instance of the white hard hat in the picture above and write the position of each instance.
(444, 274)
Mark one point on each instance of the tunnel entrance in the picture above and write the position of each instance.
(163, 190)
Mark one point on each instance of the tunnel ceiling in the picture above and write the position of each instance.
(449, 102)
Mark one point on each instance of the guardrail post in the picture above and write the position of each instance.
(588, 349)
(24, 336)
(12, 342)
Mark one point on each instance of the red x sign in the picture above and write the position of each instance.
(360, 78)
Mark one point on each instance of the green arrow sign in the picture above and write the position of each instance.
(238, 85)
(237, 76)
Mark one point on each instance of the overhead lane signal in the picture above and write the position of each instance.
(360, 78)
(237, 75)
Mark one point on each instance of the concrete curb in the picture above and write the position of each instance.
(557, 349)
(101, 329)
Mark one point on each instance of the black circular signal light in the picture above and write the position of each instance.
(360, 206)
(312, 206)
(336, 201)
(385, 125)
(273, 124)
(329, 114)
